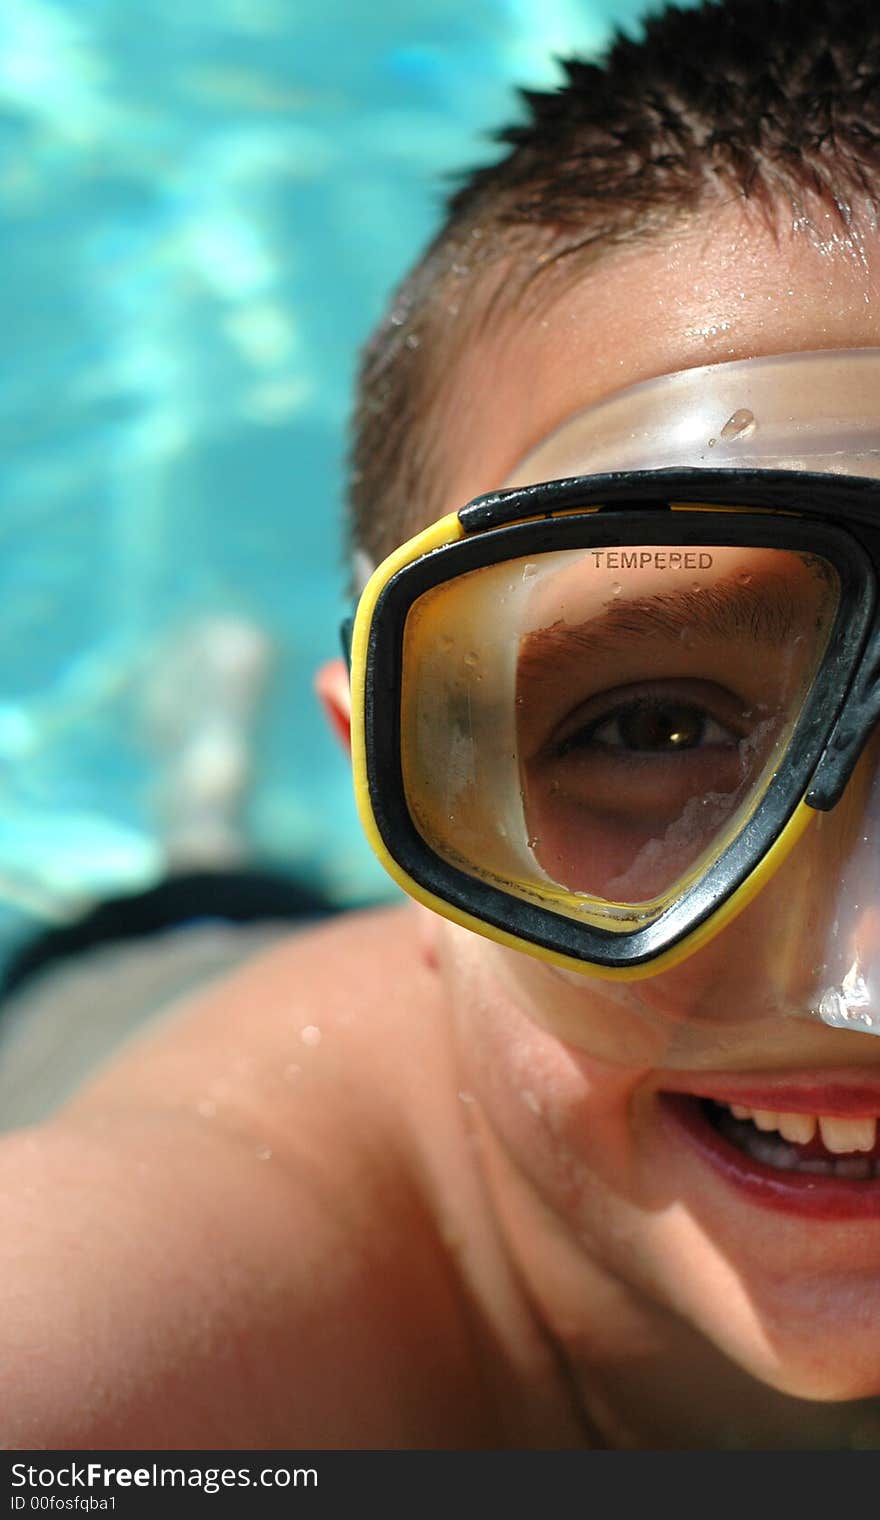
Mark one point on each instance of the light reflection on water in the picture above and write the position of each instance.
(204, 206)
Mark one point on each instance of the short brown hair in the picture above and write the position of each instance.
(777, 101)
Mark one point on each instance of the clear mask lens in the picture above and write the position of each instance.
(591, 729)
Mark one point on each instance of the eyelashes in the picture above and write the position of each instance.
(651, 726)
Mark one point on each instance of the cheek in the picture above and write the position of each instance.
(687, 1017)
(563, 1142)
(746, 994)
(561, 1117)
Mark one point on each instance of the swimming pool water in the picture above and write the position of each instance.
(205, 205)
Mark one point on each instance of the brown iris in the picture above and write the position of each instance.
(666, 726)
(658, 727)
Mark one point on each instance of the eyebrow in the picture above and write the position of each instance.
(765, 614)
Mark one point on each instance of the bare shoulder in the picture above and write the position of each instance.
(226, 1240)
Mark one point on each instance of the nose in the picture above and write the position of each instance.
(843, 885)
(808, 945)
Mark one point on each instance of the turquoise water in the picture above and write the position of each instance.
(205, 204)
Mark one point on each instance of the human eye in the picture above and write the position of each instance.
(644, 750)
(654, 723)
(631, 782)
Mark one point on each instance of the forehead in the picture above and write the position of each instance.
(726, 286)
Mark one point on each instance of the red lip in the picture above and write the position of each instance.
(801, 1193)
(836, 1095)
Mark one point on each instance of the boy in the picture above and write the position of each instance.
(398, 1183)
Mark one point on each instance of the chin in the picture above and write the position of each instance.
(808, 1334)
(824, 1357)
(818, 1370)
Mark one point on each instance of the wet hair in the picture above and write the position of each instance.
(774, 101)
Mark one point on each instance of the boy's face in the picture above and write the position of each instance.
(786, 1286)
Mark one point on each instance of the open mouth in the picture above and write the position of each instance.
(817, 1145)
(814, 1164)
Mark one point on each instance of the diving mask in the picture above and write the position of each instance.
(594, 711)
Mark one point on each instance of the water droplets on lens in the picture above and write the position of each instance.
(741, 425)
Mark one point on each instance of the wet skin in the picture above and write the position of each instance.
(460, 1218)
(592, 1171)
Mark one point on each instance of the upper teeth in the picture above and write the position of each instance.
(838, 1135)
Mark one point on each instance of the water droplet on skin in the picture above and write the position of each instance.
(712, 442)
(553, 788)
(264, 1153)
(695, 586)
(412, 341)
(472, 659)
(530, 1101)
(292, 1071)
(466, 1097)
(445, 644)
(311, 1035)
(534, 841)
(616, 589)
(741, 425)
(529, 572)
(744, 579)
